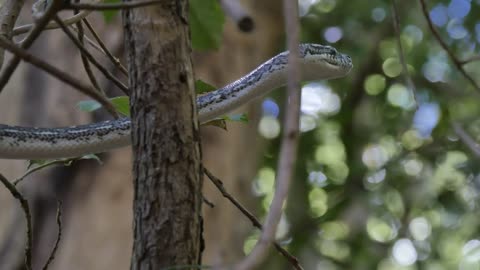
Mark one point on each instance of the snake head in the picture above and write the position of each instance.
(323, 62)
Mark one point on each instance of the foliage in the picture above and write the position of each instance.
(383, 179)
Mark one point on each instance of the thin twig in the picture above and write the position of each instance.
(401, 55)
(65, 77)
(40, 24)
(256, 223)
(53, 25)
(471, 59)
(288, 151)
(26, 210)
(59, 236)
(8, 16)
(442, 43)
(111, 6)
(90, 57)
(86, 64)
(467, 140)
(105, 50)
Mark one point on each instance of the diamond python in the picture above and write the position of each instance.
(317, 62)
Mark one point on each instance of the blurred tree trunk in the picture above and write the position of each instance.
(165, 137)
(233, 155)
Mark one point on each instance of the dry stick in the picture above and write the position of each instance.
(219, 184)
(288, 151)
(106, 51)
(90, 57)
(59, 236)
(29, 39)
(26, 210)
(124, 5)
(86, 64)
(401, 55)
(64, 77)
(442, 43)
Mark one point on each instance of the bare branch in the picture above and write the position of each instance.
(104, 48)
(53, 25)
(59, 236)
(26, 210)
(8, 16)
(467, 140)
(442, 43)
(90, 57)
(401, 55)
(86, 64)
(65, 77)
(471, 59)
(235, 10)
(288, 152)
(29, 39)
(219, 184)
(111, 6)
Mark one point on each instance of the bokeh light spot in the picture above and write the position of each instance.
(375, 84)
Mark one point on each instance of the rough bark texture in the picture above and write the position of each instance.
(165, 137)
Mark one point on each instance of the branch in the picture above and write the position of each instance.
(111, 6)
(52, 9)
(401, 55)
(442, 43)
(8, 16)
(90, 57)
(104, 48)
(238, 14)
(59, 236)
(53, 25)
(288, 152)
(219, 184)
(26, 210)
(467, 140)
(471, 59)
(64, 77)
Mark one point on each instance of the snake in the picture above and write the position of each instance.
(316, 62)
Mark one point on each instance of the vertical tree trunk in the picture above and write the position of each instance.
(166, 147)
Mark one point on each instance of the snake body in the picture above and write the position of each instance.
(317, 62)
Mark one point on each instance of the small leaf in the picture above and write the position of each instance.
(220, 123)
(109, 15)
(120, 103)
(236, 118)
(92, 156)
(88, 105)
(202, 87)
(206, 24)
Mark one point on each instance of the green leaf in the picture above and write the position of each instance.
(109, 15)
(88, 105)
(220, 123)
(202, 87)
(120, 103)
(236, 118)
(206, 24)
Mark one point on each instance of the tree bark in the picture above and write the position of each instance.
(165, 137)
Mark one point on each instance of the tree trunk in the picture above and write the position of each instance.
(165, 137)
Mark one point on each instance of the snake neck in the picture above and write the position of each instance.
(258, 83)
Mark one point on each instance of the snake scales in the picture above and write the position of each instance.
(317, 62)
